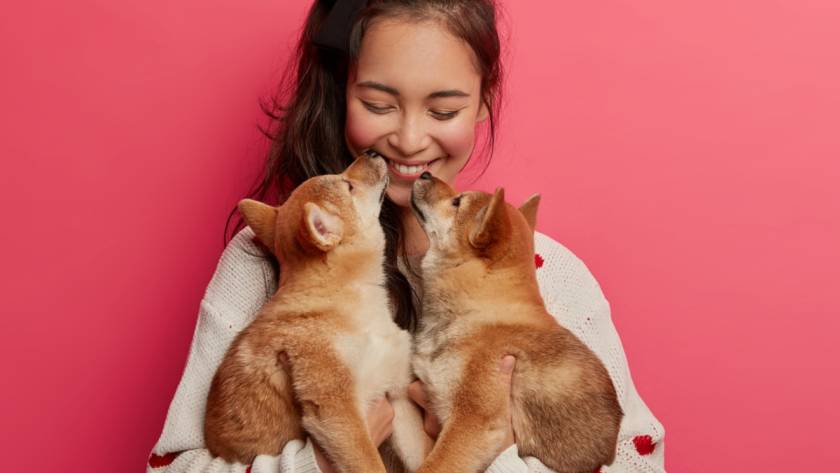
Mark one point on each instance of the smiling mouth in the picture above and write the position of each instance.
(401, 170)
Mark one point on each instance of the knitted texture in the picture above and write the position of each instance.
(244, 280)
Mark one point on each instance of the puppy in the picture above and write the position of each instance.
(481, 302)
(324, 346)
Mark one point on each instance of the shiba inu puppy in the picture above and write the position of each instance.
(481, 302)
(324, 346)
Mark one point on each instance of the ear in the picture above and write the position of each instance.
(494, 221)
(262, 219)
(529, 210)
(321, 228)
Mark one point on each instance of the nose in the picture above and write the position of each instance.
(411, 138)
(426, 176)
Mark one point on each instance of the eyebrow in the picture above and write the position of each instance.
(369, 84)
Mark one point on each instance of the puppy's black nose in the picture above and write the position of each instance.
(426, 175)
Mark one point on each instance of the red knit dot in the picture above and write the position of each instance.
(538, 261)
(644, 444)
(597, 470)
(157, 461)
(248, 470)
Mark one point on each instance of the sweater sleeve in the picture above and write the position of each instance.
(574, 298)
(242, 283)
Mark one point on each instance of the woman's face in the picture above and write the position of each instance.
(414, 98)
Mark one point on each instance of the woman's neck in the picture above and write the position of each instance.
(416, 241)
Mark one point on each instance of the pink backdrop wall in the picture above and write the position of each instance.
(687, 151)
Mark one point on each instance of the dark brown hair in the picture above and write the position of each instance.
(307, 116)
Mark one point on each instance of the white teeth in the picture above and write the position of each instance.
(408, 169)
(401, 168)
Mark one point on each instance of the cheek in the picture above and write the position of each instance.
(457, 141)
(361, 129)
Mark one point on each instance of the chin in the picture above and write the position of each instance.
(400, 195)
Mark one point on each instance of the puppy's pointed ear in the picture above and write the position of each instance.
(529, 210)
(321, 228)
(262, 218)
(494, 222)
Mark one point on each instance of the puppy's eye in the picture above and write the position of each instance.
(456, 202)
(349, 186)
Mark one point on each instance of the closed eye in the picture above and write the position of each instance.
(349, 185)
(456, 202)
(377, 109)
(444, 115)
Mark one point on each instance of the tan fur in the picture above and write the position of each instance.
(324, 346)
(481, 302)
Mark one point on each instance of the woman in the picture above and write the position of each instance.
(411, 80)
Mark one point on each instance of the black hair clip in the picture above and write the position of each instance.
(335, 31)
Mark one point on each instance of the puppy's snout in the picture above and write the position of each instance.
(378, 164)
(430, 188)
(381, 168)
(422, 185)
(368, 169)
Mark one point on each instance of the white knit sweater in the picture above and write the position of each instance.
(245, 279)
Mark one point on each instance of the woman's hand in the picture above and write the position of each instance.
(380, 416)
(417, 393)
(431, 424)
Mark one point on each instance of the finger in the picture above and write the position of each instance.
(506, 365)
(431, 425)
(387, 413)
(284, 361)
(378, 405)
(417, 393)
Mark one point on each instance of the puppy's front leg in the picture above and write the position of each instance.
(409, 440)
(329, 410)
(340, 430)
(476, 425)
(464, 446)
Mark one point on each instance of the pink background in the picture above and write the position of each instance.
(687, 151)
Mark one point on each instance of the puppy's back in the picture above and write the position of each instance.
(566, 411)
(250, 387)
